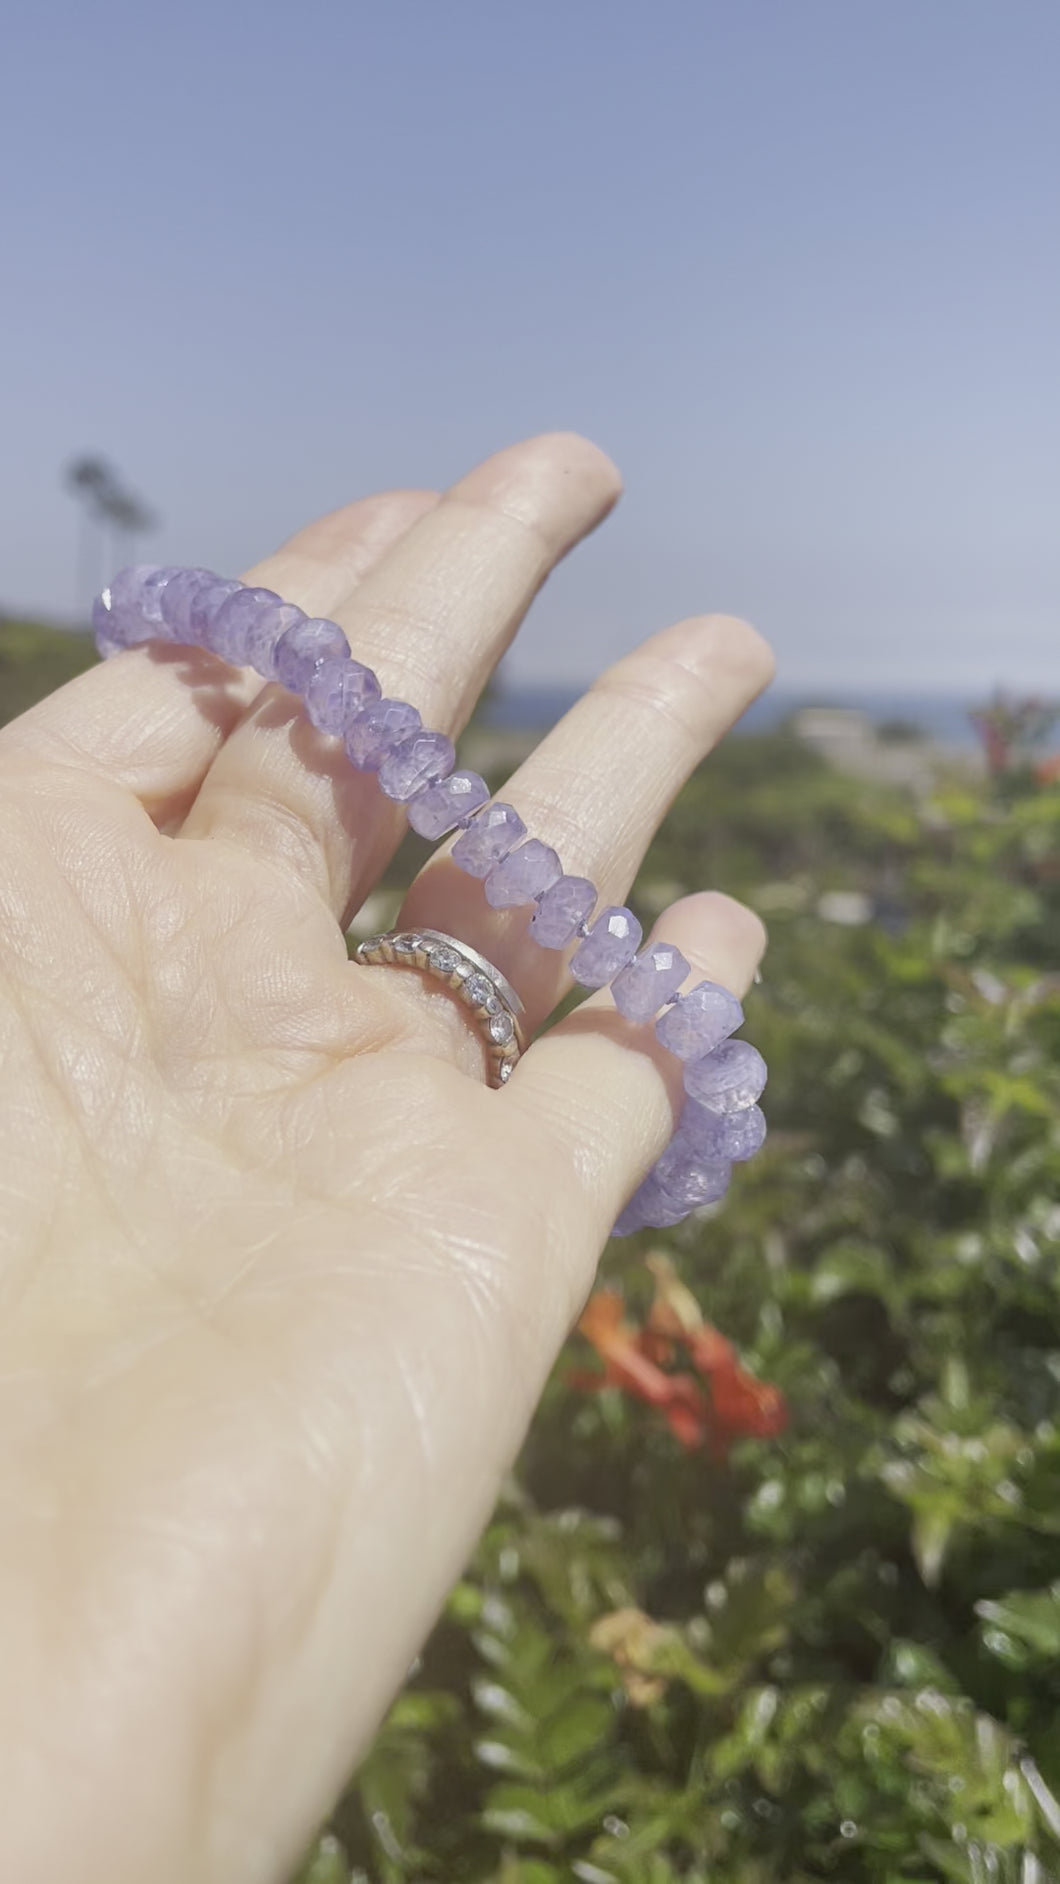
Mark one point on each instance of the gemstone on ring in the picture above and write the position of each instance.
(443, 959)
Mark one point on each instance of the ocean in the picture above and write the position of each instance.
(941, 717)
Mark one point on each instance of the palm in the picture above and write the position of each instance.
(282, 1224)
(280, 1282)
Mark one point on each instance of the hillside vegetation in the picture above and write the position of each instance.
(34, 660)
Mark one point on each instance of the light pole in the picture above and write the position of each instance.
(111, 517)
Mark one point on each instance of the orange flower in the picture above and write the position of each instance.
(739, 1402)
(635, 1360)
(678, 1397)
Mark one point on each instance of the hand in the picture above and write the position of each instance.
(280, 1278)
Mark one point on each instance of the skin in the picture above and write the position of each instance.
(280, 1279)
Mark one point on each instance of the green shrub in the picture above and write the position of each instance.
(836, 1653)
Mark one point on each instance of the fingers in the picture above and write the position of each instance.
(321, 565)
(603, 1089)
(152, 719)
(432, 619)
(599, 784)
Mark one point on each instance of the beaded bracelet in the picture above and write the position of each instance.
(720, 1123)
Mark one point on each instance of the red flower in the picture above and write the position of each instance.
(678, 1397)
(635, 1360)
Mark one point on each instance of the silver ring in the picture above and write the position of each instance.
(480, 987)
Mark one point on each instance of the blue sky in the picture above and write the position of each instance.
(795, 263)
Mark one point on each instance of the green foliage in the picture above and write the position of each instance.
(836, 1655)
(34, 660)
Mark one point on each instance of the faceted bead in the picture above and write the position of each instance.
(696, 1185)
(151, 599)
(377, 729)
(206, 604)
(522, 875)
(649, 1207)
(337, 690)
(734, 1136)
(494, 833)
(654, 978)
(127, 622)
(264, 634)
(177, 599)
(438, 808)
(560, 911)
(687, 1176)
(230, 628)
(612, 941)
(302, 647)
(699, 1021)
(416, 762)
(727, 1080)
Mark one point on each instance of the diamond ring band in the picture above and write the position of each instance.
(490, 1000)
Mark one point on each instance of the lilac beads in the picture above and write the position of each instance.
(728, 1080)
(699, 1021)
(150, 601)
(206, 604)
(377, 729)
(230, 628)
(177, 600)
(522, 875)
(338, 690)
(610, 944)
(127, 592)
(690, 1178)
(263, 636)
(733, 1136)
(119, 608)
(494, 833)
(417, 762)
(561, 910)
(641, 989)
(680, 1181)
(648, 1207)
(302, 647)
(438, 808)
